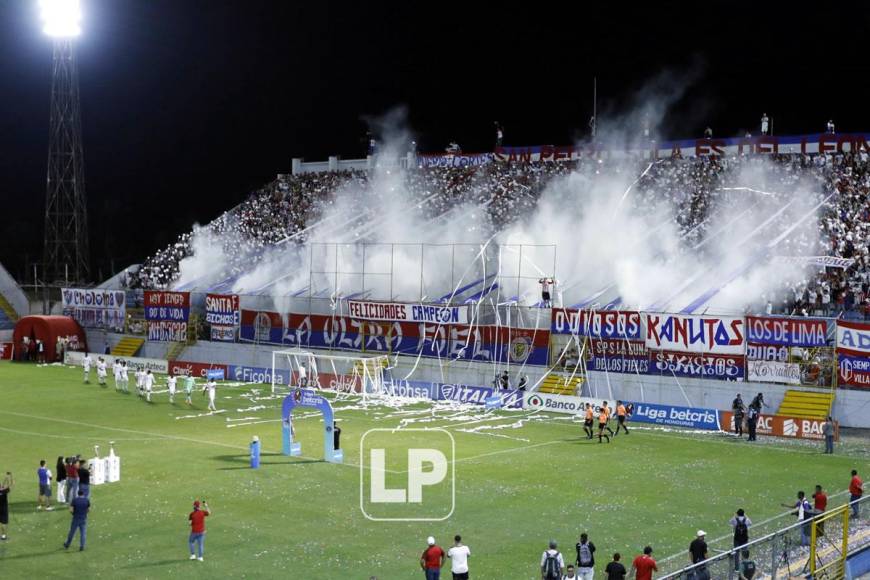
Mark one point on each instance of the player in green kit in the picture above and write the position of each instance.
(188, 389)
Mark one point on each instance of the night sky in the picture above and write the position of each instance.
(188, 105)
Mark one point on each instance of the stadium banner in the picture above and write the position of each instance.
(786, 331)
(167, 331)
(408, 312)
(853, 371)
(410, 389)
(6, 350)
(246, 374)
(154, 365)
(785, 426)
(195, 369)
(769, 352)
(597, 323)
(853, 338)
(565, 404)
(95, 308)
(617, 356)
(455, 160)
(163, 305)
(435, 340)
(675, 416)
(823, 261)
(469, 394)
(697, 365)
(695, 333)
(765, 371)
(223, 314)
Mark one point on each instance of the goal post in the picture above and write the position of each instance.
(343, 374)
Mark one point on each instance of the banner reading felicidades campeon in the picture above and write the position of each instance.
(95, 308)
(695, 333)
(167, 314)
(408, 312)
(223, 314)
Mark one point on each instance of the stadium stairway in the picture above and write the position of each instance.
(806, 404)
(556, 384)
(8, 317)
(127, 346)
(175, 350)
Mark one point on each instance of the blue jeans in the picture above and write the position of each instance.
(81, 526)
(72, 489)
(86, 488)
(433, 574)
(854, 505)
(198, 539)
(829, 443)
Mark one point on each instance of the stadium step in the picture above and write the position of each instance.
(556, 384)
(806, 404)
(128, 346)
(8, 316)
(175, 350)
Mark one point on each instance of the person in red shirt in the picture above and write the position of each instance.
(197, 528)
(856, 490)
(820, 504)
(644, 565)
(432, 560)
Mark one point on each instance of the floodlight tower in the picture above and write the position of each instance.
(65, 252)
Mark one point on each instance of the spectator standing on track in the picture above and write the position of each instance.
(458, 555)
(739, 411)
(79, 508)
(698, 553)
(432, 560)
(856, 490)
(747, 566)
(644, 565)
(828, 432)
(552, 563)
(44, 498)
(804, 512)
(751, 422)
(820, 505)
(197, 529)
(5, 488)
(585, 557)
(615, 570)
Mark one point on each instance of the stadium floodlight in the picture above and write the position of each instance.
(61, 18)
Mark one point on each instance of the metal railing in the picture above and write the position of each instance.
(815, 547)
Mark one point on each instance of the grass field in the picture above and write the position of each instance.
(520, 480)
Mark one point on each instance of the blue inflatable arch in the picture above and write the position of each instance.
(309, 399)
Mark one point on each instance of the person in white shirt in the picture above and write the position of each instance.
(170, 384)
(116, 374)
(552, 563)
(101, 371)
(211, 387)
(148, 381)
(125, 378)
(303, 376)
(86, 364)
(458, 555)
(140, 380)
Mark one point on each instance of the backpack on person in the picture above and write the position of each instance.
(741, 532)
(552, 569)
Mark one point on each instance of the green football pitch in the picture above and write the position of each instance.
(520, 480)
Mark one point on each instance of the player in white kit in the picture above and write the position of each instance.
(211, 387)
(101, 371)
(170, 384)
(86, 365)
(125, 378)
(140, 381)
(116, 374)
(148, 381)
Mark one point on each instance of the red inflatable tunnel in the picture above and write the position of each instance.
(47, 329)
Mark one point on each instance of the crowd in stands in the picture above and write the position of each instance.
(693, 187)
